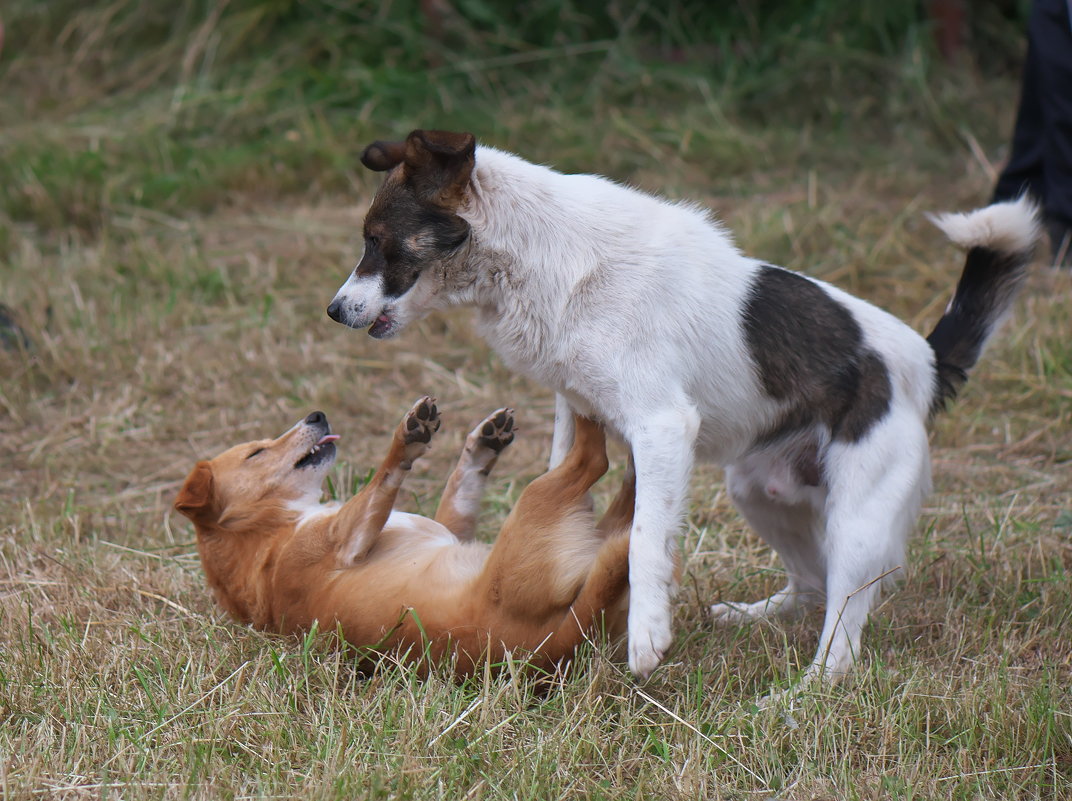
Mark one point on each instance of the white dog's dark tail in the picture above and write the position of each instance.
(1000, 240)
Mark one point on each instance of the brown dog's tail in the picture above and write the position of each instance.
(1000, 240)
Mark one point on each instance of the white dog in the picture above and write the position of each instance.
(643, 314)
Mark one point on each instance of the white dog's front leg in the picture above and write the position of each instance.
(562, 440)
(663, 445)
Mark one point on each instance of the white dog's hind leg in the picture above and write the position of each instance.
(790, 529)
(662, 444)
(876, 490)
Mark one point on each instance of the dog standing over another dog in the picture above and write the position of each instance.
(642, 313)
(396, 583)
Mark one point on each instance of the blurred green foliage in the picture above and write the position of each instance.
(182, 106)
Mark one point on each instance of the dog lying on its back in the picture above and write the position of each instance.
(400, 583)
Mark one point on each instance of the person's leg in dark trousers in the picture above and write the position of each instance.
(1055, 37)
(1041, 158)
(1024, 171)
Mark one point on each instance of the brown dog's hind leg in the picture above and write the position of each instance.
(460, 503)
(604, 597)
(547, 544)
(601, 600)
(363, 517)
(619, 515)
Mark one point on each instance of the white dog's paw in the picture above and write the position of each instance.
(644, 658)
(731, 614)
(650, 638)
(785, 604)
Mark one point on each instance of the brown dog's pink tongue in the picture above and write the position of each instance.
(328, 438)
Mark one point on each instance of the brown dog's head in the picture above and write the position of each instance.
(243, 498)
(247, 481)
(413, 232)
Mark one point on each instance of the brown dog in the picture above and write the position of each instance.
(400, 583)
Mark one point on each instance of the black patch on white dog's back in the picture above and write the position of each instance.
(810, 353)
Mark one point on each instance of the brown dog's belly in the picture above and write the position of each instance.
(416, 586)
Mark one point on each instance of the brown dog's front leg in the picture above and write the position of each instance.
(363, 517)
(465, 488)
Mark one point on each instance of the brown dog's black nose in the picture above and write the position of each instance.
(316, 418)
(334, 311)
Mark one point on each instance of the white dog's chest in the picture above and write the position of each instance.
(528, 348)
(600, 379)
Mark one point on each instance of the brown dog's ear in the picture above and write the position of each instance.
(440, 163)
(382, 156)
(196, 498)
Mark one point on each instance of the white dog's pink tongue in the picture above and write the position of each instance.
(383, 318)
(328, 438)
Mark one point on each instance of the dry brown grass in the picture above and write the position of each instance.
(163, 334)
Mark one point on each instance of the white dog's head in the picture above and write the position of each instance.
(413, 233)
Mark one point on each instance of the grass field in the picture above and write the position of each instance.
(179, 200)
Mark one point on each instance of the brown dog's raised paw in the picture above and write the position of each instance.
(488, 440)
(497, 430)
(421, 422)
(417, 427)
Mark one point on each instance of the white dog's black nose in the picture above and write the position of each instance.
(316, 418)
(335, 311)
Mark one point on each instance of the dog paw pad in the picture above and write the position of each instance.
(421, 422)
(497, 431)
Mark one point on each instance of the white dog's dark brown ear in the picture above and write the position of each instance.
(382, 156)
(196, 499)
(421, 145)
(440, 163)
